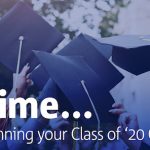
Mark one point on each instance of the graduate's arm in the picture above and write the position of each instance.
(19, 91)
(49, 90)
(20, 86)
(129, 120)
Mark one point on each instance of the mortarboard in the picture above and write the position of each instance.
(22, 30)
(130, 52)
(85, 45)
(104, 49)
(81, 46)
(95, 53)
(68, 72)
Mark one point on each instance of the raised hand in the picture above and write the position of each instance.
(23, 82)
(127, 120)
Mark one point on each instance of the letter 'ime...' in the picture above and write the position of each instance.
(47, 106)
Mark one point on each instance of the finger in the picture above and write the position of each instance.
(117, 111)
(25, 70)
(117, 105)
(27, 64)
(28, 75)
(133, 120)
(124, 120)
(29, 82)
(133, 117)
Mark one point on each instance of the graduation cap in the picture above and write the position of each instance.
(130, 52)
(21, 31)
(81, 46)
(73, 75)
(105, 50)
(95, 53)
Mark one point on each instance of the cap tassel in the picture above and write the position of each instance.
(94, 108)
(21, 38)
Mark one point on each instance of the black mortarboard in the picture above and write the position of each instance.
(104, 49)
(21, 22)
(95, 53)
(81, 46)
(130, 52)
(68, 72)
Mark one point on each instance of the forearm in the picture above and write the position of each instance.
(50, 90)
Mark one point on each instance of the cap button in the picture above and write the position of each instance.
(21, 38)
